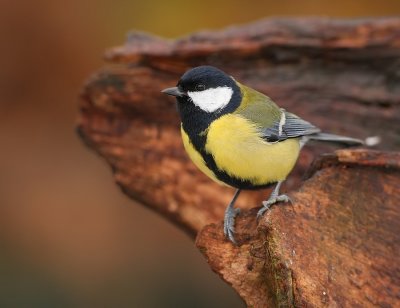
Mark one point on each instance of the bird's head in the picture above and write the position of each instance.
(207, 90)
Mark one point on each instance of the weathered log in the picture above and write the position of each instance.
(342, 76)
(336, 246)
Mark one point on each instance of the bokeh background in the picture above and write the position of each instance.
(68, 236)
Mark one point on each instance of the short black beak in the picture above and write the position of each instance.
(174, 91)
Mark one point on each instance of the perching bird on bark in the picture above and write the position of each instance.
(240, 137)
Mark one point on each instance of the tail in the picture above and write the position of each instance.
(336, 139)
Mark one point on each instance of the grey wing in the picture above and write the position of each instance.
(289, 126)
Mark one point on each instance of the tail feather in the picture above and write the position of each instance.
(336, 139)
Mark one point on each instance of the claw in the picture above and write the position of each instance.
(229, 220)
(229, 224)
(271, 201)
(261, 212)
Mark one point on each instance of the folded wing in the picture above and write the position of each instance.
(288, 126)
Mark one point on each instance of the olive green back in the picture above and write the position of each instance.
(258, 107)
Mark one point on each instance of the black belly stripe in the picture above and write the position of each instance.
(226, 178)
(195, 123)
(199, 142)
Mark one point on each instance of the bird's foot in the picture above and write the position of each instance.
(271, 201)
(229, 223)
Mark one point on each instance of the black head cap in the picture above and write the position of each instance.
(204, 77)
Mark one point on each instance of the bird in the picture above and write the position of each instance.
(239, 137)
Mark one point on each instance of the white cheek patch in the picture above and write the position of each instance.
(211, 100)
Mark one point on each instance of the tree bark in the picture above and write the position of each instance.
(337, 243)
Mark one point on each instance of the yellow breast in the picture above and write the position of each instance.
(238, 149)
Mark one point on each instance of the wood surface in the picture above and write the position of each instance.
(338, 244)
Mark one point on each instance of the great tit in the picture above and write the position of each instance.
(240, 137)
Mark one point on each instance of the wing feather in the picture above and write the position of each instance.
(275, 124)
(290, 127)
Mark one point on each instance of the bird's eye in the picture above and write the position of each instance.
(200, 87)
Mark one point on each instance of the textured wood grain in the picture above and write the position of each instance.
(341, 75)
(337, 245)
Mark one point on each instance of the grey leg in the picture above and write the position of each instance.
(229, 220)
(273, 198)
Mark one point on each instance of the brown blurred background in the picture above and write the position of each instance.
(68, 236)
